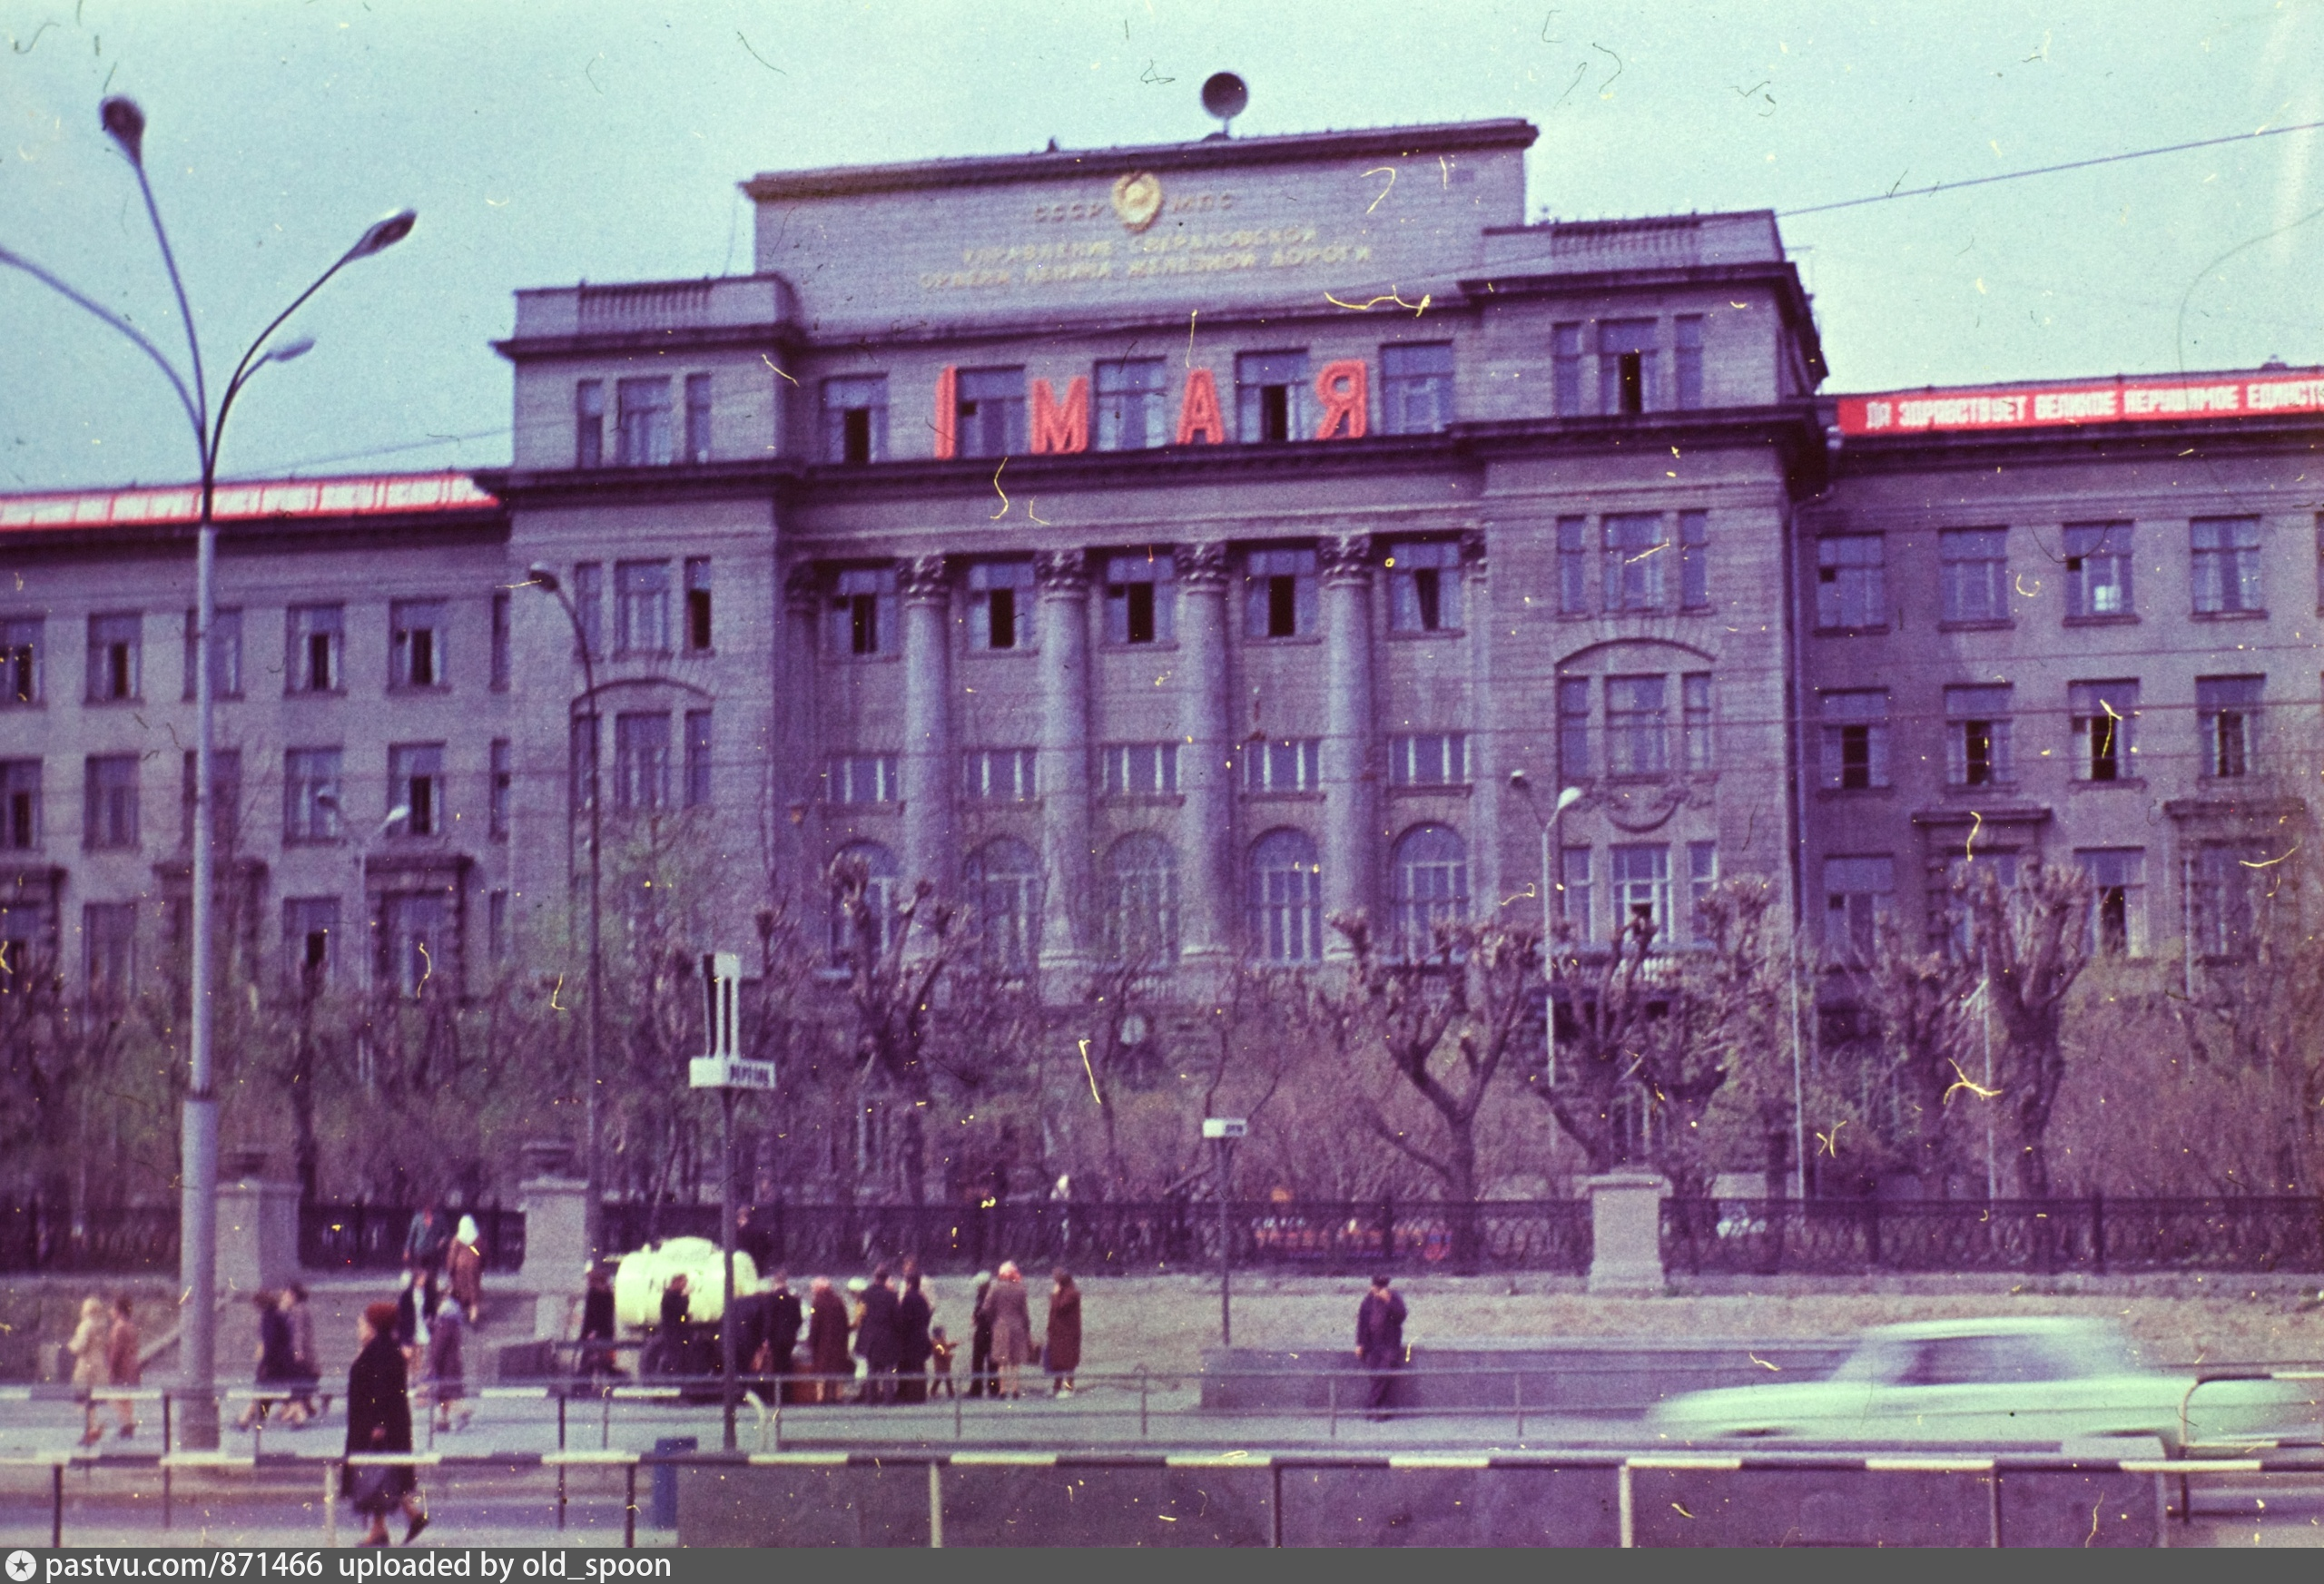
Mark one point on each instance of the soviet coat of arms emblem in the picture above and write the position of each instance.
(1138, 199)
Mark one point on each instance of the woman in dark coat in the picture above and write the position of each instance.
(1062, 1352)
(379, 1419)
(827, 1354)
(914, 1312)
(981, 1340)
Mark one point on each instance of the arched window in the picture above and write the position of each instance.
(879, 892)
(1142, 889)
(1431, 878)
(1287, 891)
(1004, 888)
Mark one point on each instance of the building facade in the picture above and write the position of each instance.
(1161, 550)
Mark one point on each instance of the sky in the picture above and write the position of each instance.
(544, 142)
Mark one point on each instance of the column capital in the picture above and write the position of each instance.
(1062, 572)
(925, 580)
(1347, 558)
(1201, 565)
(802, 589)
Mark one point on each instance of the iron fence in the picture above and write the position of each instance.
(40, 1234)
(369, 1237)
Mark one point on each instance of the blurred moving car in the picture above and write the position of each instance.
(2052, 1379)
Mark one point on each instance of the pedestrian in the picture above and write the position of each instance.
(981, 1338)
(306, 1371)
(826, 1341)
(447, 1362)
(88, 1347)
(878, 1338)
(596, 1359)
(278, 1367)
(1012, 1328)
(778, 1338)
(1062, 1351)
(425, 1240)
(410, 1311)
(669, 1337)
(464, 1270)
(379, 1419)
(1380, 1341)
(913, 1344)
(123, 1366)
(939, 1362)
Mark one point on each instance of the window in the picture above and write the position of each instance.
(1429, 759)
(589, 424)
(582, 752)
(2227, 713)
(2098, 570)
(116, 651)
(416, 634)
(1694, 560)
(999, 604)
(862, 778)
(2225, 566)
(2117, 900)
(1142, 883)
(1694, 692)
(19, 661)
(1130, 405)
(19, 805)
(1976, 736)
(589, 604)
(1279, 594)
(311, 795)
(1687, 364)
(641, 763)
(225, 797)
(1004, 887)
(879, 895)
(1141, 599)
(504, 786)
(1642, 880)
(416, 783)
(1625, 364)
(1573, 566)
(697, 417)
(1282, 764)
(642, 607)
(2220, 897)
(109, 934)
(416, 943)
(1425, 587)
(1858, 893)
(1634, 557)
(1139, 769)
(698, 602)
(855, 419)
(1850, 583)
(1573, 888)
(698, 741)
(1702, 875)
(2104, 742)
(1856, 739)
(998, 776)
(992, 412)
(1574, 730)
(863, 612)
(1565, 369)
(1636, 740)
(1416, 389)
(310, 941)
(225, 654)
(1973, 574)
(642, 433)
(1429, 875)
(109, 815)
(503, 646)
(1271, 397)
(1286, 899)
(312, 665)
(26, 939)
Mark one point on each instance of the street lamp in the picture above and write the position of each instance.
(593, 1212)
(124, 122)
(1571, 795)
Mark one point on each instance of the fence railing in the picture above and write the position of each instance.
(42, 1235)
(371, 1237)
(2096, 1235)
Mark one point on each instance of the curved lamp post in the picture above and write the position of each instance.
(124, 122)
(593, 1209)
(1571, 795)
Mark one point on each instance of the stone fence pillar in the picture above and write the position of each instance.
(556, 1248)
(258, 1233)
(1625, 1234)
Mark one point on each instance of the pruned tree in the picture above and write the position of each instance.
(1920, 1005)
(895, 956)
(2029, 940)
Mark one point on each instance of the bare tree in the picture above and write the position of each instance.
(892, 975)
(1918, 1004)
(2030, 939)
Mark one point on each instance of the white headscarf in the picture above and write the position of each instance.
(468, 1232)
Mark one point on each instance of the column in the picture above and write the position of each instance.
(798, 760)
(930, 767)
(1205, 776)
(1486, 780)
(1061, 773)
(1350, 775)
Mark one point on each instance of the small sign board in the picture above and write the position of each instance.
(729, 1072)
(1225, 1126)
(720, 1068)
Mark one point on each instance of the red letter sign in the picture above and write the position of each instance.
(1341, 388)
(948, 412)
(1062, 428)
(1198, 409)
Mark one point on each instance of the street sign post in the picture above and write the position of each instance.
(723, 1067)
(1223, 1133)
